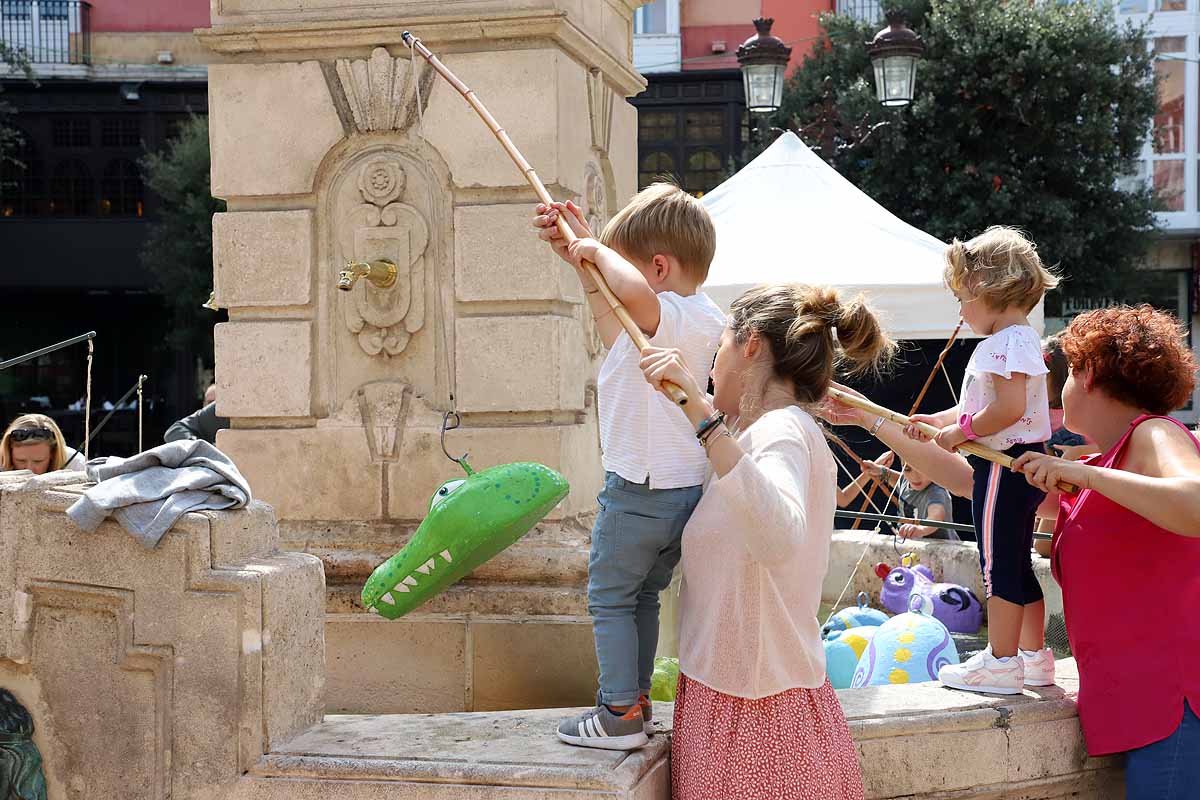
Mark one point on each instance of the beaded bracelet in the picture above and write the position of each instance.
(707, 425)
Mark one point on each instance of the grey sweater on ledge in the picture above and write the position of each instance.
(150, 491)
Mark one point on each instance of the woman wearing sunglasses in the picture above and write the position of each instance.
(34, 442)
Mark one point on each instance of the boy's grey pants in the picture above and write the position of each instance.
(635, 547)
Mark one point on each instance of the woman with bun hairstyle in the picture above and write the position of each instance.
(755, 716)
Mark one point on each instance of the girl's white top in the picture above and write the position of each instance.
(755, 553)
(1017, 348)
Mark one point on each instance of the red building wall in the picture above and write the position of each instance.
(795, 21)
(127, 16)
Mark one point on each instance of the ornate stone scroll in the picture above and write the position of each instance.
(383, 228)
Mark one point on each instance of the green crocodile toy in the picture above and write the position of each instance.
(470, 520)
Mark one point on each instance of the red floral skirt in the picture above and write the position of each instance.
(794, 745)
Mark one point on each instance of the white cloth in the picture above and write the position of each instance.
(755, 552)
(642, 434)
(1016, 348)
(75, 463)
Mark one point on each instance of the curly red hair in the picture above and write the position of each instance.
(1137, 355)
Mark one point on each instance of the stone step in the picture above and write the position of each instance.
(482, 756)
(477, 598)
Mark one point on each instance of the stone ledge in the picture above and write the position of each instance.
(440, 33)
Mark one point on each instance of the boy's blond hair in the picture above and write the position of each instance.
(662, 218)
(1000, 267)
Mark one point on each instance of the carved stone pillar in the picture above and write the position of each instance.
(331, 144)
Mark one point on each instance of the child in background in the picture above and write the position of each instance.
(918, 497)
(998, 279)
(869, 469)
(654, 255)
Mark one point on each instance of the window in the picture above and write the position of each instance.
(704, 126)
(121, 132)
(16, 9)
(1167, 151)
(71, 132)
(71, 189)
(657, 126)
(1169, 120)
(1168, 184)
(121, 193)
(702, 172)
(655, 166)
(651, 18)
(53, 9)
(1170, 5)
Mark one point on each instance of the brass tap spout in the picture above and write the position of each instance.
(382, 273)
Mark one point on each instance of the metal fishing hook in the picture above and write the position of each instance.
(450, 421)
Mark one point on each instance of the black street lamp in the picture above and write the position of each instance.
(894, 52)
(763, 59)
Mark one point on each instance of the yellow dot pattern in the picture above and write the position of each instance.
(908, 637)
(902, 654)
(897, 675)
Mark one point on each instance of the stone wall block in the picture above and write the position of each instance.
(497, 256)
(264, 369)
(270, 127)
(309, 473)
(507, 82)
(407, 666)
(238, 536)
(526, 363)
(263, 258)
(529, 665)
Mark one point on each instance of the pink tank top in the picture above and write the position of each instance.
(1131, 596)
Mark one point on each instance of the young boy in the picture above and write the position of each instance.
(918, 497)
(654, 255)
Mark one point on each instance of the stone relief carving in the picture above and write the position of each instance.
(381, 91)
(382, 227)
(383, 407)
(595, 211)
(21, 773)
(600, 109)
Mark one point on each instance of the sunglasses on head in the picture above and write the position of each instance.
(25, 434)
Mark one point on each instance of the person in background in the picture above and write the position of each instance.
(850, 491)
(918, 497)
(34, 442)
(202, 424)
(1063, 442)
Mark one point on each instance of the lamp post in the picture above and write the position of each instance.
(763, 59)
(894, 53)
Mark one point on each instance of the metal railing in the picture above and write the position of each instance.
(48, 31)
(861, 10)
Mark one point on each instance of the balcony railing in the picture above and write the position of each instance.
(861, 10)
(48, 31)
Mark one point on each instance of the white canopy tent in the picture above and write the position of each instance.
(789, 216)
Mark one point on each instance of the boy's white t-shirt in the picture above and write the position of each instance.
(1017, 348)
(643, 435)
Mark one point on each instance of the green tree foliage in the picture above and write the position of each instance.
(178, 251)
(1026, 114)
(14, 61)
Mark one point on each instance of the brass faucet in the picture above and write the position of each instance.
(382, 273)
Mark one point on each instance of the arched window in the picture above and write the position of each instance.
(653, 166)
(703, 171)
(71, 189)
(121, 193)
(22, 181)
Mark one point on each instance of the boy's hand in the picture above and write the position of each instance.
(584, 249)
(910, 531)
(661, 364)
(950, 437)
(546, 223)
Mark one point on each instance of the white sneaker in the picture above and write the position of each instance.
(1039, 667)
(983, 672)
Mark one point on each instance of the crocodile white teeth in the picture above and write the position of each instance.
(373, 610)
(400, 587)
(410, 580)
(427, 567)
(446, 555)
(387, 598)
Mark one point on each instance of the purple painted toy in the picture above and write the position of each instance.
(954, 606)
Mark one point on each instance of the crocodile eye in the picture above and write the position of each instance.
(444, 491)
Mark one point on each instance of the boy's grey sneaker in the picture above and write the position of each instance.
(598, 727)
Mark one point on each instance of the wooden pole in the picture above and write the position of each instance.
(917, 404)
(635, 333)
(972, 448)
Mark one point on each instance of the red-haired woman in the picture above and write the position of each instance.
(1126, 546)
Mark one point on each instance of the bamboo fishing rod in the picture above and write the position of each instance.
(899, 520)
(971, 448)
(941, 359)
(635, 333)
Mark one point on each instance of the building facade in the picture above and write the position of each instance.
(114, 80)
(692, 117)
